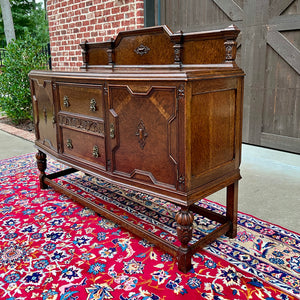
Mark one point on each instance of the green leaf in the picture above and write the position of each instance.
(21, 57)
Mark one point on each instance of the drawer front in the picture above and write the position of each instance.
(83, 99)
(84, 146)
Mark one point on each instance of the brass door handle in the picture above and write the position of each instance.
(66, 101)
(96, 151)
(93, 105)
(69, 144)
(141, 134)
(112, 131)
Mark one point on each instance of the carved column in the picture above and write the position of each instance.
(85, 54)
(41, 160)
(184, 228)
(230, 49)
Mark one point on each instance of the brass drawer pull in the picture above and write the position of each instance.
(112, 131)
(93, 105)
(69, 144)
(66, 101)
(141, 134)
(96, 151)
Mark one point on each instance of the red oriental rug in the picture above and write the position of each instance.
(53, 248)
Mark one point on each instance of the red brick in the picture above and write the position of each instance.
(74, 21)
(116, 24)
(140, 5)
(98, 27)
(125, 8)
(140, 13)
(109, 4)
(120, 17)
(115, 10)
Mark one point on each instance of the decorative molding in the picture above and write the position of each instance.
(141, 50)
(92, 126)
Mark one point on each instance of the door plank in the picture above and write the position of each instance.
(280, 142)
(288, 22)
(231, 9)
(279, 6)
(285, 49)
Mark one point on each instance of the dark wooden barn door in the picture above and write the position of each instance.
(268, 52)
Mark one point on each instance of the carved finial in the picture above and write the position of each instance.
(110, 52)
(85, 58)
(230, 50)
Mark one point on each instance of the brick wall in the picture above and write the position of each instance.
(74, 21)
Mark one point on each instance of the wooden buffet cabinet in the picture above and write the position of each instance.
(157, 111)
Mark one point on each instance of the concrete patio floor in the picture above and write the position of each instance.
(269, 189)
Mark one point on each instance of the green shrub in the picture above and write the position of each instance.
(21, 57)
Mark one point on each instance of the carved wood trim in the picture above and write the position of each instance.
(81, 124)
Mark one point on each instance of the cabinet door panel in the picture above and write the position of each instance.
(145, 133)
(44, 112)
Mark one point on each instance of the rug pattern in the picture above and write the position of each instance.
(53, 248)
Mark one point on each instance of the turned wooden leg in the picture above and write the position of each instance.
(41, 160)
(232, 208)
(184, 228)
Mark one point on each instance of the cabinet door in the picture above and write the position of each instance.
(143, 129)
(44, 112)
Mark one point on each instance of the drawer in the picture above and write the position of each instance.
(83, 99)
(84, 146)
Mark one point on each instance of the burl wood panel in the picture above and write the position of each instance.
(204, 52)
(144, 50)
(98, 56)
(212, 130)
(147, 126)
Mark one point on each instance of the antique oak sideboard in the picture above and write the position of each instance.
(156, 111)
